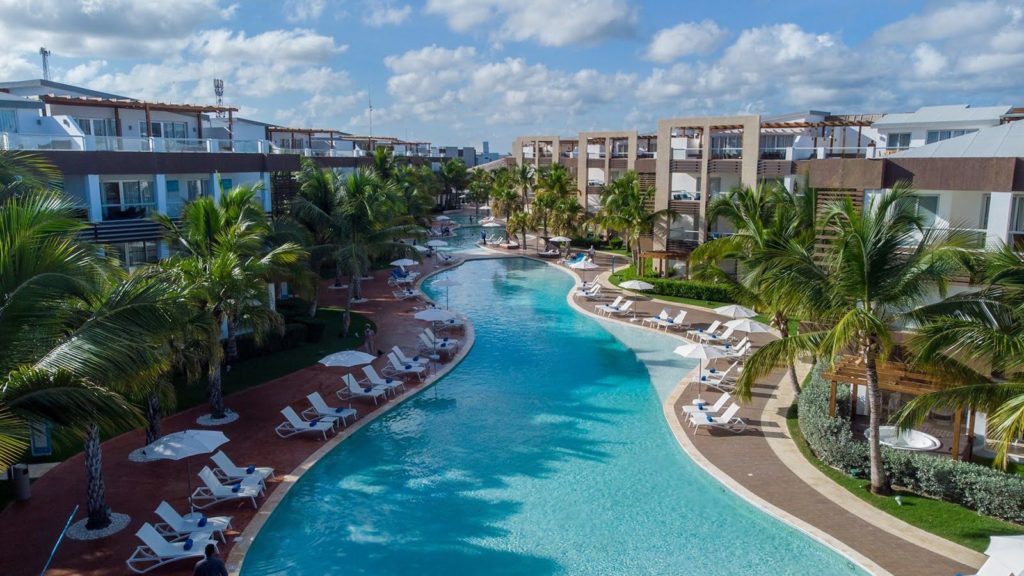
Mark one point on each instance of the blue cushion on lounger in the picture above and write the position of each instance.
(250, 469)
(202, 522)
(415, 358)
(703, 378)
(312, 423)
(339, 410)
(236, 487)
(700, 405)
(712, 370)
(408, 366)
(389, 381)
(188, 544)
(710, 419)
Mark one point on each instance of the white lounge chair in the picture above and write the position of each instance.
(588, 292)
(319, 409)
(721, 337)
(396, 368)
(352, 389)
(406, 294)
(228, 472)
(695, 333)
(428, 346)
(293, 425)
(446, 340)
(452, 324)
(614, 305)
(407, 360)
(175, 525)
(156, 551)
(214, 492)
(700, 407)
(727, 421)
(740, 350)
(677, 323)
(653, 320)
(625, 308)
(388, 384)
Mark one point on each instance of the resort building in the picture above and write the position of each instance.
(126, 159)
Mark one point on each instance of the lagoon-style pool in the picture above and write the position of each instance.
(545, 452)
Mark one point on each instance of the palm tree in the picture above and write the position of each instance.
(518, 222)
(626, 207)
(504, 198)
(882, 263)
(418, 188)
(24, 172)
(969, 334)
(384, 163)
(524, 177)
(481, 183)
(554, 189)
(220, 255)
(315, 208)
(454, 178)
(764, 219)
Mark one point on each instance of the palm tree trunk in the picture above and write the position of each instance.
(879, 482)
(216, 391)
(346, 318)
(315, 300)
(232, 343)
(96, 491)
(152, 417)
(781, 323)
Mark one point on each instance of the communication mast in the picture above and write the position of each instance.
(46, 62)
(218, 89)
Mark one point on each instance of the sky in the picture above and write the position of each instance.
(458, 72)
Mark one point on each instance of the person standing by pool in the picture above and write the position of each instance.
(211, 565)
(591, 252)
(368, 335)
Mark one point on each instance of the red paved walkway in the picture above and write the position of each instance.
(29, 529)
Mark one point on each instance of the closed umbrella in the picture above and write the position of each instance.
(447, 283)
(347, 358)
(184, 444)
(735, 311)
(701, 353)
(749, 326)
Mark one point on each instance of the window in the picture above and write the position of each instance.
(134, 254)
(1017, 215)
(928, 208)
(940, 135)
(898, 141)
(164, 130)
(774, 146)
(986, 203)
(8, 121)
(97, 126)
(727, 146)
(127, 199)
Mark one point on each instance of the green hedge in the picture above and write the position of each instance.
(689, 289)
(980, 488)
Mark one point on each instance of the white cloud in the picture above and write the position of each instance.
(928, 62)
(294, 46)
(683, 39)
(16, 66)
(380, 13)
(104, 28)
(303, 10)
(547, 23)
(945, 22)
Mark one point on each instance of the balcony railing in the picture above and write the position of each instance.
(687, 153)
(15, 141)
(23, 141)
(726, 153)
(127, 211)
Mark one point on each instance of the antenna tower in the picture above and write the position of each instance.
(218, 89)
(46, 62)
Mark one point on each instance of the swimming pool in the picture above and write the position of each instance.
(544, 452)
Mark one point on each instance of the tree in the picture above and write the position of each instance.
(454, 178)
(626, 207)
(554, 190)
(518, 222)
(881, 264)
(221, 254)
(384, 164)
(418, 188)
(764, 219)
(524, 178)
(481, 182)
(975, 341)
(504, 198)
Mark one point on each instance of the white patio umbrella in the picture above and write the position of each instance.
(493, 225)
(1008, 551)
(447, 283)
(405, 262)
(441, 218)
(434, 315)
(347, 358)
(436, 243)
(183, 445)
(735, 311)
(560, 239)
(638, 285)
(701, 353)
(420, 248)
(584, 265)
(748, 325)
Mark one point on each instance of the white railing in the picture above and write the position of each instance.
(686, 153)
(18, 141)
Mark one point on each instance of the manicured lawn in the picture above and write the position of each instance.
(260, 369)
(945, 519)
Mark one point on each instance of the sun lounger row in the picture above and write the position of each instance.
(727, 420)
(618, 307)
(665, 320)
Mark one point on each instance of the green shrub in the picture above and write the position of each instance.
(980, 488)
(294, 335)
(615, 243)
(314, 329)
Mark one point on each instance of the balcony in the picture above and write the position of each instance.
(115, 212)
(687, 153)
(727, 153)
(22, 141)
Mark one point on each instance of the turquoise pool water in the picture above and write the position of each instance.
(544, 452)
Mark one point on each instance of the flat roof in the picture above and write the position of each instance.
(39, 82)
(1003, 141)
(12, 101)
(948, 113)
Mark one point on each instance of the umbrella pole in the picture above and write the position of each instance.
(188, 468)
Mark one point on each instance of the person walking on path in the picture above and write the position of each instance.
(591, 252)
(368, 340)
(211, 565)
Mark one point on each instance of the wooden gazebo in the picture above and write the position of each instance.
(893, 377)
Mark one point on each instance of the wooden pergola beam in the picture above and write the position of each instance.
(133, 104)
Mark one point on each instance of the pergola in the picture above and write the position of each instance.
(893, 377)
(662, 256)
(119, 104)
(307, 132)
